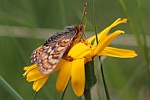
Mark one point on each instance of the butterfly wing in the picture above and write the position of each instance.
(35, 55)
(48, 56)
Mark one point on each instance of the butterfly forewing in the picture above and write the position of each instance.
(48, 55)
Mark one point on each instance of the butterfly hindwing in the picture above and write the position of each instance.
(35, 55)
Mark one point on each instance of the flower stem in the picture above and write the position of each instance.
(87, 94)
(90, 79)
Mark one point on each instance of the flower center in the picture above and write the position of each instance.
(88, 44)
(68, 58)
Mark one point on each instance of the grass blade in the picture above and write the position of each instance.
(9, 89)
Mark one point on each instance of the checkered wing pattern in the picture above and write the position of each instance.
(47, 56)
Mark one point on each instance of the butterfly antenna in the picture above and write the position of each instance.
(84, 12)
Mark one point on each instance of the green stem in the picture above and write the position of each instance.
(34, 96)
(105, 86)
(103, 77)
(145, 47)
(131, 24)
(62, 12)
(90, 79)
(9, 89)
(89, 69)
(87, 94)
(94, 20)
(62, 97)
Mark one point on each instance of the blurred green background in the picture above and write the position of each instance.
(26, 24)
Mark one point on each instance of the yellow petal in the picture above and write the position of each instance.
(29, 68)
(79, 51)
(100, 47)
(26, 68)
(102, 35)
(116, 52)
(78, 76)
(39, 83)
(64, 76)
(34, 75)
(91, 39)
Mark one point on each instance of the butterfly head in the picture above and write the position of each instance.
(81, 28)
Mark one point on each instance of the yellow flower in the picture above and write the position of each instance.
(84, 52)
(81, 53)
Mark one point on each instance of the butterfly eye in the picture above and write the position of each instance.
(81, 28)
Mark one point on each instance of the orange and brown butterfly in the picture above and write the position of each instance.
(48, 56)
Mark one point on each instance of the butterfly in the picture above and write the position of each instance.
(48, 55)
